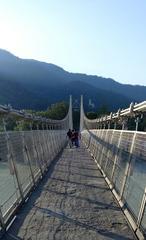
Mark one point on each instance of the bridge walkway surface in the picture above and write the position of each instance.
(72, 202)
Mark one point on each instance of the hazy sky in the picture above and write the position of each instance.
(102, 37)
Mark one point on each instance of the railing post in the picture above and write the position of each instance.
(137, 121)
(45, 144)
(35, 150)
(95, 135)
(2, 223)
(124, 124)
(94, 149)
(48, 147)
(115, 125)
(103, 148)
(55, 143)
(142, 209)
(102, 133)
(111, 140)
(41, 147)
(128, 165)
(52, 146)
(28, 158)
(100, 137)
(116, 155)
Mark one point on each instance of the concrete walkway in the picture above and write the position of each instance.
(72, 202)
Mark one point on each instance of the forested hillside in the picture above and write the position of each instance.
(36, 85)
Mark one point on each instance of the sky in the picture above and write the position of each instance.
(98, 37)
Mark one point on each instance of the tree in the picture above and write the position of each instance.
(103, 110)
(57, 111)
(91, 115)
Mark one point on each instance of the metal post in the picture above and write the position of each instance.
(116, 155)
(47, 129)
(55, 144)
(44, 140)
(89, 141)
(142, 209)
(103, 147)
(103, 130)
(35, 150)
(100, 137)
(123, 125)
(46, 143)
(137, 120)
(49, 143)
(109, 149)
(41, 147)
(28, 159)
(94, 150)
(127, 169)
(2, 223)
(52, 142)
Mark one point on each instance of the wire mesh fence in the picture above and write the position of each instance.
(24, 158)
(122, 157)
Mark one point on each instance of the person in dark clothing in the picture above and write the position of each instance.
(69, 135)
(76, 139)
(73, 137)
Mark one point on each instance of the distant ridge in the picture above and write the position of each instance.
(27, 83)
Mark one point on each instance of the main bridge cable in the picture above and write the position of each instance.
(65, 123)
(134, 111)
(84, 121)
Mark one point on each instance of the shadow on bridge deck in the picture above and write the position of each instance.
(72, 202)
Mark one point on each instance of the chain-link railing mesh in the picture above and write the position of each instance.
(24, 157)
(122, 157)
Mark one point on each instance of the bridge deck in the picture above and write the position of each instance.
(72, 202)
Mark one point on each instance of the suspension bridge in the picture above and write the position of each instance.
(51, 191)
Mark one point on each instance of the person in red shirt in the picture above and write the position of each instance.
(76, 139)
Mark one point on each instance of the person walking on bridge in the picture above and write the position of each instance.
(69, 135)
(76, 139)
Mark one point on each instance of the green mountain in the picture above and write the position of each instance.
(32, 84)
